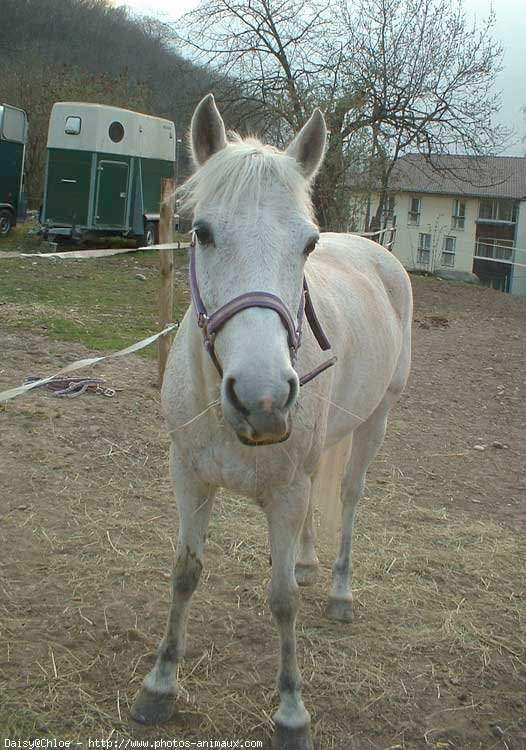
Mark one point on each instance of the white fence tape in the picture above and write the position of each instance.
(79, 364)
(95, 253)
(378, 232)
(167, 246)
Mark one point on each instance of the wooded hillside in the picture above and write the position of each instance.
(88, 50)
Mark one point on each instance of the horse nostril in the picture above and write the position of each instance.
(232, 397)
(293, 393)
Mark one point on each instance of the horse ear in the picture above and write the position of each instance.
(308, 147)
(207, 131)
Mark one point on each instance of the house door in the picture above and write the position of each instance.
(112, 194)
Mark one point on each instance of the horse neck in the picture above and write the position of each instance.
(204, 376)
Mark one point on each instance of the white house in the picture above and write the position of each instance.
(464, 215)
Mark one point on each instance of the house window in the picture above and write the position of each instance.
(424, 249)
(413, 216)
(496, 210)
(448, 251)
(388, 208)
(73, 125)
(486, 209)
(459, 215)
(505, 211)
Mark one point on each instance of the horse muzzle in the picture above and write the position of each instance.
(278, 432)
(262, 421)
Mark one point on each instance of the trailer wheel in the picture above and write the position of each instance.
(6, 222)
(151, 234)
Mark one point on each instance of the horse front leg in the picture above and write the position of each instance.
(155, 701)
(285, 517)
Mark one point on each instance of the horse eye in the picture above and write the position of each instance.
(204, 234)
(310, 246)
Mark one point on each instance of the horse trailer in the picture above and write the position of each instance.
(103, 172)
(13, 140)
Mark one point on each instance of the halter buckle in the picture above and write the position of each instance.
(298, 339)
(209, 340)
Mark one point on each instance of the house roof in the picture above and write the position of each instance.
(448, 174)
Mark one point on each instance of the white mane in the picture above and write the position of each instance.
(241, 173)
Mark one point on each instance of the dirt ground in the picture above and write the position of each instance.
(436, 656)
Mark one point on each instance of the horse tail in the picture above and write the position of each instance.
(326, 485)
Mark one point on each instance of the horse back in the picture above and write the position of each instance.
(353, 265)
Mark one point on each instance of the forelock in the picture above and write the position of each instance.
(241, 174)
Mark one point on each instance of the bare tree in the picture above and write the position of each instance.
(427, 79)
(391, 75)
(272, 48)
(283, 58)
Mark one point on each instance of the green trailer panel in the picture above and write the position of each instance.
(11, 162)
(13, 139)
(112, 193)
(68, 187)
(152, 171)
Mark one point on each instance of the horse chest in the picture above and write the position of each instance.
(223, 461)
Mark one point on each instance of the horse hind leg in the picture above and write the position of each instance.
(367, 441)
(325, 494)
(307, 563)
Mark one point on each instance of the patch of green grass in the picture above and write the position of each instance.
(22, 239)
(100, 303)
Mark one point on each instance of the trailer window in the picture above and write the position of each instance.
(73, 125)
(13, 124)
(116, 132)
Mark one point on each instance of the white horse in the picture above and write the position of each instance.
(231, 403)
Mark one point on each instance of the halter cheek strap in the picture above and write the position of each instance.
(211, 324)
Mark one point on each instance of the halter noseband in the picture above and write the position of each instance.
(210, 324)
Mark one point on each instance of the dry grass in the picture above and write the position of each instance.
(436, 653)
(436, 657)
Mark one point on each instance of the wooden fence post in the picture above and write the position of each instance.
(166, 267)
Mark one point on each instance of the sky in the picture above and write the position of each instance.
(509, 30)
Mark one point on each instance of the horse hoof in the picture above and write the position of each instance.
(152, 708)
(339, 609)
(292, 738)
(306, 574)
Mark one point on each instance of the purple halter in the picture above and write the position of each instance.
(210, 324)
